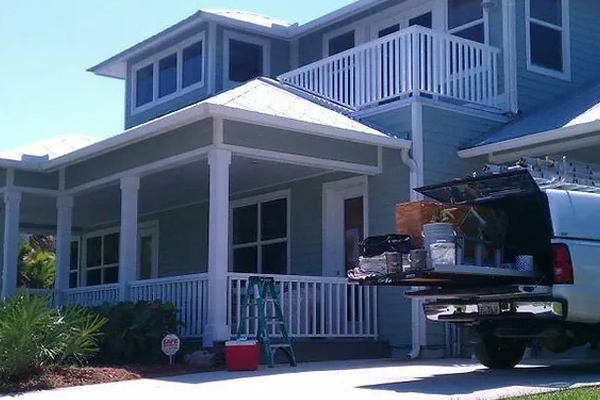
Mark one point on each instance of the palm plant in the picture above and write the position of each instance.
(36, 267)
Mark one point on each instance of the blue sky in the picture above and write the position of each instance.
(46, 47)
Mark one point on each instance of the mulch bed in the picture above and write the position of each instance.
(52, 378)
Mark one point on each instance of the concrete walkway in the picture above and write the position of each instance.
(377, 379)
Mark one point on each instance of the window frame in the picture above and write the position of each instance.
(154, 61)
(485, 19)
(258, 200)
(142, 227)
(232, 35)
(565, 30)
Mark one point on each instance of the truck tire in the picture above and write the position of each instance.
(497, 353)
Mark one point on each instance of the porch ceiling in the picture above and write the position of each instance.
(184, 185)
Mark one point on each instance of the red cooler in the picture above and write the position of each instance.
(241, 355)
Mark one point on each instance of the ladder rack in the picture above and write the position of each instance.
(550, 174)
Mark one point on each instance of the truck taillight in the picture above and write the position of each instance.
(561, 260)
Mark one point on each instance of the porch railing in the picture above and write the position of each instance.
(91, 295)
(188, 293)
(313, 306)
(415, 60)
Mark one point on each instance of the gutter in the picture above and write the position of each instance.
(532, 140)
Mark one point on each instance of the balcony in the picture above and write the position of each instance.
(415, 61)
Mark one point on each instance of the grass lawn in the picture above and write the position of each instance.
(572, 394)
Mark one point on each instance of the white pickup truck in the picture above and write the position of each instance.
(556, 303)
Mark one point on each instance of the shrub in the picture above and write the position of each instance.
(33, 335)
(133, 331)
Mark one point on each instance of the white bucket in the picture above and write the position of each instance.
(438, 232)
(442, 253)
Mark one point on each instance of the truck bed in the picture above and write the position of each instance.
(456, 275)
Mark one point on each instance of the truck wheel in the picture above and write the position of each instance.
(497, 353)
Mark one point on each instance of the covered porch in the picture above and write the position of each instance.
(187, 207)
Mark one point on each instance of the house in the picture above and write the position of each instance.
(254, 146)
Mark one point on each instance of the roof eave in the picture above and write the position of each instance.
(531, 140)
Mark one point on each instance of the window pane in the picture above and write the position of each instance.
(192, 64)
(274, 258)
(94, 277)
(245, 224)
(73, 280)
(111, 249)
(341, 43)
(111, 275)
(245, 260)
(425, 20)
(245, 61)
(167, 75)
(385, 31)
(546, 47)
(144, 85)
(274, 219)
(475, 33)
(94, 252)
(461, 12)
(74, 263)
(546, 10)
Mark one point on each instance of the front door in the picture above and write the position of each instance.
(344, 224)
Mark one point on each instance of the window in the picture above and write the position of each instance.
(466, 20)
(169, 73)
(246, 58)
(547, 40)
(74, 265)
(102, 259)
(341, 43)
(260, 235)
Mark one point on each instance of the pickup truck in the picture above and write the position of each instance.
(556, 303)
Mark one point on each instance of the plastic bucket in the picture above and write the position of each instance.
(438, 232)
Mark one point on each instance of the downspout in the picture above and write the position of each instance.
(415, 166)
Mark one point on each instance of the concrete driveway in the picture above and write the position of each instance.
(377, 379)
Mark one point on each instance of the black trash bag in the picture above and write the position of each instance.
(373, 246)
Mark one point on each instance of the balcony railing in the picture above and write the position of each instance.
(413, 61)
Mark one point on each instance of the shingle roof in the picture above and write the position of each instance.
(250, 17)
(267, 96)
(580, 108)
(49, 149)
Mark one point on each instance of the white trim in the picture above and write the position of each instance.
(258, 201)
(305, 161)
(154, 61)
(264, 43)
(211, 63)
(333, 217)
(566, 42)
(531, 140)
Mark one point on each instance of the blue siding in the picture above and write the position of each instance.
(534, 89)
(444, 133)
(38, 180)
(2, 177)
(176, 103)
(396, 121)
(279, 51)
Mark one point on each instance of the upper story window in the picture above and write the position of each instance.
(466, 20)
(547, 37)
(246, 57)
(340, 43)
(172, 72)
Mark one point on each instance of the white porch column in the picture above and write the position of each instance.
(218, 226)
(129, 234)
(64, 222)
(12, 204)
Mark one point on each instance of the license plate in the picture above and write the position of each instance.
(488, 308)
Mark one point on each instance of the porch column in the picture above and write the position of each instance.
(12, 205)
(129, 234)
(64, 222)
(218, 226)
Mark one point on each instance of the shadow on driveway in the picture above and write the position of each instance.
(557, 376)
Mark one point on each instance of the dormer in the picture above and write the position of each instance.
(207, 53)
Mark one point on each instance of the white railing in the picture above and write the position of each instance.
(413, 61)
(313, 306)
(188, 293)
(91, 295)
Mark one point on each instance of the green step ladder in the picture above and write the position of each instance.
(259, 292)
